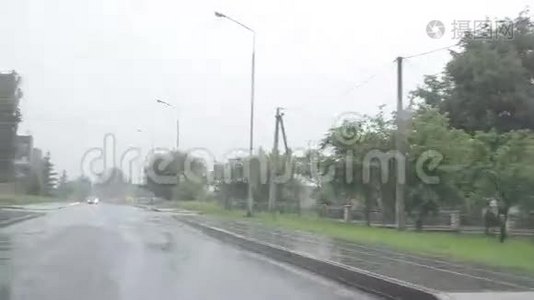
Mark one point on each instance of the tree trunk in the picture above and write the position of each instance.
(419, 222)
(422, 213)
(367, 216)
(503, 231)
(381, 205)
(227, 203)
(504, 220)
(367, 210)
(486, 221)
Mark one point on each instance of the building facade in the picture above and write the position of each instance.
(10, 95)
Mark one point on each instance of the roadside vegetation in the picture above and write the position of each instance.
(466, 138)
(517, 253)
(24, 199)
(467, 142)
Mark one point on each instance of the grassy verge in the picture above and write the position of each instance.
(24, 199)
(514, 253)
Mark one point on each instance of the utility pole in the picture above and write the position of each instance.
(283, 128)
(399, 144)
(274, 164)
(279, 125)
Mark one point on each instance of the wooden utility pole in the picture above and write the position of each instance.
(399, 145)
(274, 164)
(279, 125)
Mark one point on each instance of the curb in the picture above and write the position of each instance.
(20, 219)
(383, 286)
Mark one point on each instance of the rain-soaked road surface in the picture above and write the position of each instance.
(432, 272)
(116, 252)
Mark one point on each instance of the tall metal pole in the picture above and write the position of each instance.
(250, 197)
(177, 133)
(177, 120)
(399, 143)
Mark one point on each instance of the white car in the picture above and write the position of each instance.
(92, 200)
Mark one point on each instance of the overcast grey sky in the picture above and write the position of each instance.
(95, 67)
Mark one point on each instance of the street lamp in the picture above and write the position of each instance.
(250, 200)
(177, 120)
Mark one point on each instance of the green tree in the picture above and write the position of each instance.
(49, 178)
(290, 188)
(111, 184)
(503, 169)
(434, 151)
(230, 182)
(64, 186)
(167, 176)
(190, 190)
(159, 189)
(82, 188)
(438, 151)
(350, 144)
(234, 184)
(35, 185)
(489, 83)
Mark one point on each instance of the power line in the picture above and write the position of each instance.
(411, 63)
(363, 82)
(366, 80)
(371, 77)
(431, 51)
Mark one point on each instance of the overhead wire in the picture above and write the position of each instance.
(430, 51)
(366, 80)
(369, 78)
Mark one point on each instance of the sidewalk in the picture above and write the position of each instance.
(10, 214)
(39, 206)
(432, 273)
(8, 217)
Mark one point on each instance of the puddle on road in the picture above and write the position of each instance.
(164, 243)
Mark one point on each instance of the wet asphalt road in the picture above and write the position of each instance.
(104, 252)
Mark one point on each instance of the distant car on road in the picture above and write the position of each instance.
(92, 200)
